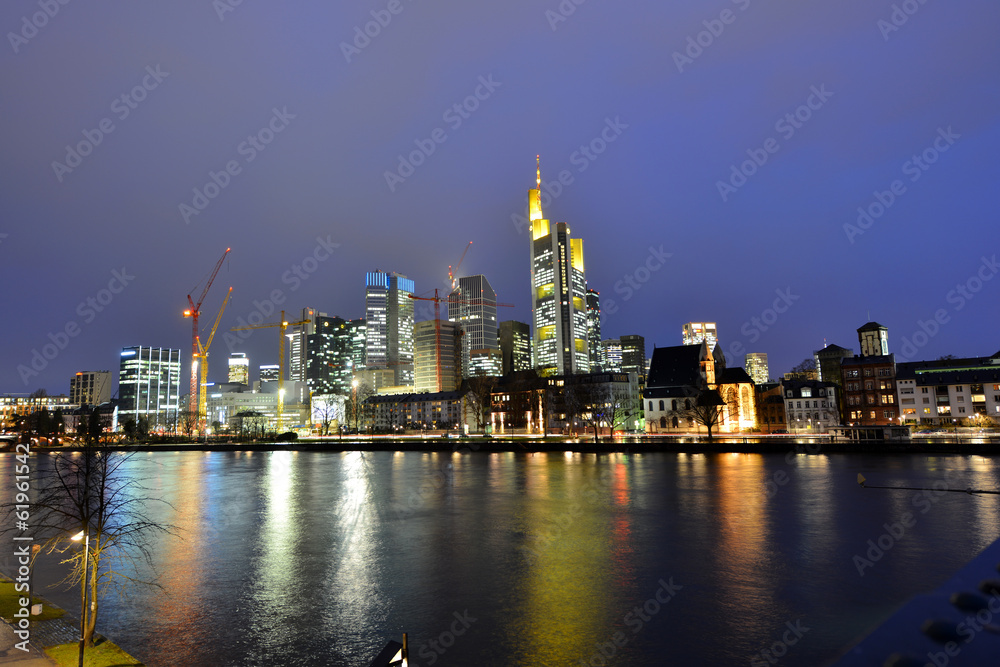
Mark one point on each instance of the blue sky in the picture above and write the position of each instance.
(739, 138)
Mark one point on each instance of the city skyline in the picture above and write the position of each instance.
(740, 152)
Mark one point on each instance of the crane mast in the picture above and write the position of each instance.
(193, 312)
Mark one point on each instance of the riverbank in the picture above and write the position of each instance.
(52, 637)
(978, 445)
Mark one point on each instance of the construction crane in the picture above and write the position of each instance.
(282, 325)
(193, 312)
(203, 364)
(437, 315)
(451, 272)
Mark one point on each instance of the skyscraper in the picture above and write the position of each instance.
(298, 344)
(755, 364)
(596, 350)
(90, 388)
(269, 373)
(358, 342)
(515, 346)
(611, 353)
(634, 356)
(473, 305)
(149, 385)
(438, 356)
(239, 368)
(558, 293)
(328, 362)
(389, 324)
(696, 332)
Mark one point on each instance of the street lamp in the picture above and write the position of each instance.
(85, 536)
(354, 402)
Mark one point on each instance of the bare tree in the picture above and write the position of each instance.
(479, 399)
(597, 406)
(706, 410)
(93, 492)
(188, 421)
(356, 402)
(324, 410)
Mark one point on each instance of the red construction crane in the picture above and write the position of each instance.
(451, 272)
(193, 312)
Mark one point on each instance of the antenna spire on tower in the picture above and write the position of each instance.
(538, 172)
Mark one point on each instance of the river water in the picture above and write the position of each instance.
(312, 558)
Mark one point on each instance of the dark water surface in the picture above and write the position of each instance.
(306, 558)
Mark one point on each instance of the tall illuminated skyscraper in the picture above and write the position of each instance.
(473, 305)
(515, 346)
(558, 293)
(239, 368)
(298, 343)
(389, 324)
(149, 385)
(696, 332)
(328, 364)
(755, 364)
(594, 331)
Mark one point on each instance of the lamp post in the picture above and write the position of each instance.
(85, 535)
(354, 403)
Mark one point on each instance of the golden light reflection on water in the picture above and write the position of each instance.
(576, 547)
(744, 532)
(184, 563)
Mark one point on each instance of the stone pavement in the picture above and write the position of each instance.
(10, 655)
(62, 630)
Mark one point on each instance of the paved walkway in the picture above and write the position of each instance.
(62, 630)
(11, 655)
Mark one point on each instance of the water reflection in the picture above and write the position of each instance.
(318, 558)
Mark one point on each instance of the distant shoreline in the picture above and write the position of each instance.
(986, 445)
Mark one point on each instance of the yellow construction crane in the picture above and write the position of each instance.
(193, 312)
(282, 325)
(203, 365)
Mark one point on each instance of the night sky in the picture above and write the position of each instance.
(645, 109)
